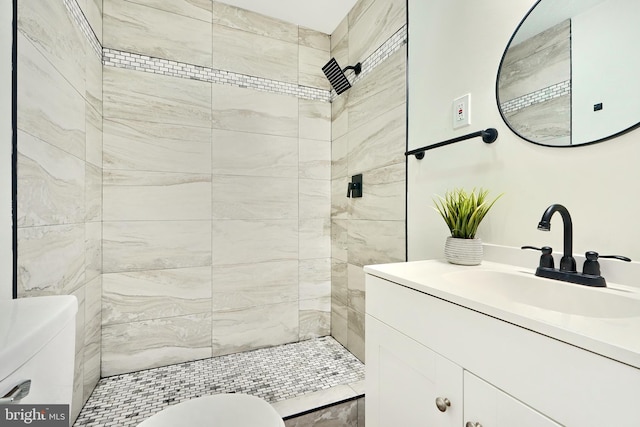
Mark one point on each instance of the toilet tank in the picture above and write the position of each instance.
(37, 343)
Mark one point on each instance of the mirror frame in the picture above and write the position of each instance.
(506, 121)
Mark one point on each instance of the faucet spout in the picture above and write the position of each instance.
(567, 263)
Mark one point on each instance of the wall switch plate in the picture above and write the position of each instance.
(462, 111)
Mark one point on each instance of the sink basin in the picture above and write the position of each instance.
(526, 289)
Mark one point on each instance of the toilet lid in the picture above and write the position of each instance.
(220, 410)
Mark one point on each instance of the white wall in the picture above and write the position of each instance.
(6, 38)
(597, 183)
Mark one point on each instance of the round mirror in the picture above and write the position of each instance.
(569, 75)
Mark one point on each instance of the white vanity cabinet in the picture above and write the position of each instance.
(493, 373)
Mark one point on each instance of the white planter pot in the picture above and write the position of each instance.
(463, 251)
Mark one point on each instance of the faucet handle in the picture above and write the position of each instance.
(546, 259)
(591, 264)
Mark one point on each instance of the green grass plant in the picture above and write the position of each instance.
(463, 212)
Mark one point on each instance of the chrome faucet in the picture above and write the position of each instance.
(567, 263)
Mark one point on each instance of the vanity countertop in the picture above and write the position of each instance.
(605, 321)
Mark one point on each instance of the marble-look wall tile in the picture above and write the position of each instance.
(153, 245)
(339, 287)
(314, 198)
(356, 333)
(310, 63)
(93, 192)
(77, 398)
(130, 347)
(356, 288)
(339, 326)
(248, 110)
(314, 159)
(93, 12)
(254, 198)
(49, 107)
(340, 415)
(93, 135)
(384, 198)
(339, 199)
(132, 95)
(149, 196)
(376, 242)
(145, 295)
(93, 76)
(252, 241)
(339, 157)
(242, 286)
(242, 19)
(254, 55)
(92, 336)
(315, 238)
(255, 327)
(314, 39)
(51, 29)
(197, 9)
(93, 248)
(361, 412)
(51, 184)
(382, 142)
(314, 278)
(136, 145)
(51, 259)
(370, 25)
(339, 239)
(315, 318)
(340, 116)
(132, 27)
(254, 154)
(548, 122)
(340, 34)
(315, 120)
(384, 88)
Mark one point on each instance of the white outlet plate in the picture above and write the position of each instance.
(462, 111)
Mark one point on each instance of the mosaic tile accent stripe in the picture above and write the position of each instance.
(274, 374)
(542, 95)
(83, 24)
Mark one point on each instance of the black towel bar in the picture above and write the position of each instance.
(488, 135)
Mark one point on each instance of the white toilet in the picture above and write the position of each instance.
(37, 350)
(220, 410)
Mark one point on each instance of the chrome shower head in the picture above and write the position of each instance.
(336, 75)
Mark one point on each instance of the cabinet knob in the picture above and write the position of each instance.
(472, 424)
(442, 403)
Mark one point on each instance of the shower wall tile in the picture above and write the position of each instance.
(49, 108)
(315, 318)
(339, 239)
(134, 346)
(51, 260)
(339, 287)
(340, 33)
(248, 110)
(356, 333)
(132, 95)
(78, 368)
(355, 288)
(310, 66)
(154, 245)
(93, 84)
(315, 238)
(197, 9)
(93, 192)
(340, 415)
(150, 146)
(385, 195)
(314, 39)
(371, 23)
(382, 142)
(247, 53)
(340, 46)
(93, 12)
(254, 198)
(314, 278)
(315, 120)
(314, 159)
(254, 241)
(137, 28)
(156, 196)
(254, 154)
(93, 248)
(153, 294)
(339, 327)
(375, 242)
(314, 199)
(384, 88)
(339, 157)
(92, 336)
(51, 184)
(245, 20)
(254, 327)
(339, 199)
(242, 286)
(51, 29)
(93, 129)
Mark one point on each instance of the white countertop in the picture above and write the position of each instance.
(613, 332)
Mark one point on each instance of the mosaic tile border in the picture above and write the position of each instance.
(82, 22)
(554, 91)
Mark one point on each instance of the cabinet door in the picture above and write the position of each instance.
(404, 379)
(487, 406)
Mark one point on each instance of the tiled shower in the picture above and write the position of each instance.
(191, 191)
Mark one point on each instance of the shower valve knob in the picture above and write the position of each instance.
(354, 188)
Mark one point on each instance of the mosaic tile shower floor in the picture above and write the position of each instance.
(274, 374)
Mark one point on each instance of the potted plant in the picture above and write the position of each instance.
(463, 212)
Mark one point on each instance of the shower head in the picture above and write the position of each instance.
(336, 76)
